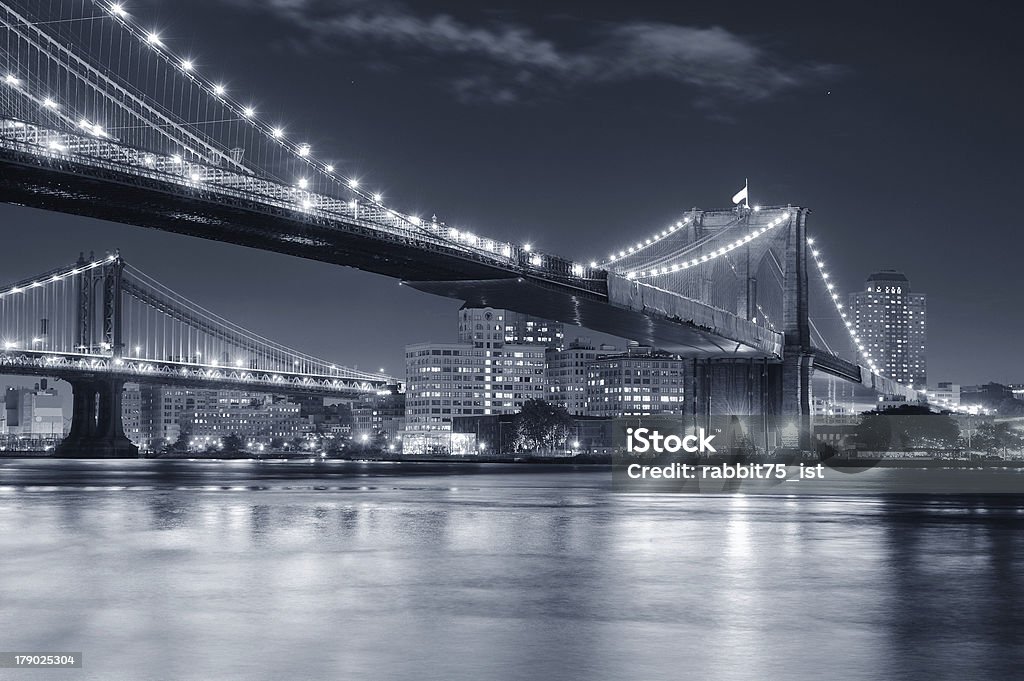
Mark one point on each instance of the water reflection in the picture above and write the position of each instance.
(188, 571)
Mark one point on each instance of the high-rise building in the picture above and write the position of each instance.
(497, 365)
(891, 324)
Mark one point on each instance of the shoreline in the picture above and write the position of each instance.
(571, 461)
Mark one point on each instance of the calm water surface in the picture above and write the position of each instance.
(178, 570)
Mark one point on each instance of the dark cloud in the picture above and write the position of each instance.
(716, 63)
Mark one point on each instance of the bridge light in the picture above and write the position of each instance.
(195, 177)
(277, 132)
(593, 264)
(11, 80)
(304, 150)
(353, 183)
(527, 247)
(153, 38)
(329, 168)
(378, 198)
(303, 183)
(219, 89)
(117, 9)
(307, 204)
(248, 112)
(187, 65)
(49, 103)
(415, 220)
(810, 240)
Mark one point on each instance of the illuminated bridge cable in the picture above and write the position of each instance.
(116, 82)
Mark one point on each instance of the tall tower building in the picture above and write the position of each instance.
(891, 322)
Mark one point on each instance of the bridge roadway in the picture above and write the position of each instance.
(78, 367)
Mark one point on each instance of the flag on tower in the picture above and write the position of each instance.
(741, 195)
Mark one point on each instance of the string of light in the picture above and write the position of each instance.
(300, 150)
(647, 243)
(864, 352)
(713, 255)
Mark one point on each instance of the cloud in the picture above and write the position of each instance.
(508, 60)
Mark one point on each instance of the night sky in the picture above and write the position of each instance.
(584, 127)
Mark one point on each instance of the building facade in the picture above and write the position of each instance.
(639, 382)
(945, 394)
(487, 327)
(165, 413)
(566, 370)
(379, 417)
(891, 322)
(444, 380)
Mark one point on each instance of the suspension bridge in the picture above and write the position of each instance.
(99, 323)
(100, 117)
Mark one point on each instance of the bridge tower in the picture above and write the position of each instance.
(797, 356)
(97, 427)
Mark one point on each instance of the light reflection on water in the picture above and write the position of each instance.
(159, 570)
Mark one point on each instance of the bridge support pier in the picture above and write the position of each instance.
(97, 429)
(773, 397)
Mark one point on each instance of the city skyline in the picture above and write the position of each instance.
(875, 210)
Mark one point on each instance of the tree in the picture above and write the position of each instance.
(542, 425)
(907, 427)
(232, 443)
(181, 444)
(997, 438)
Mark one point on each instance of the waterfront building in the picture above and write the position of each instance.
(165, 413)
(639, 382)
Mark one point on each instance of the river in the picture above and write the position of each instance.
(158, 570)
